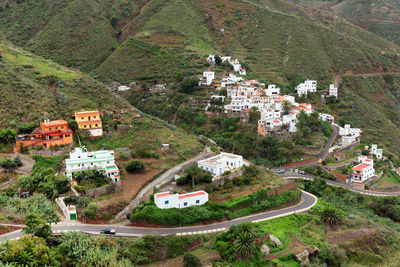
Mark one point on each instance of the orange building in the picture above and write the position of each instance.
(50, 133)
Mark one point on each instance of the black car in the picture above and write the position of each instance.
(108, 231)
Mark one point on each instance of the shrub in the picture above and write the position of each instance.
(91, 210)
(134, 166)
(189, 260)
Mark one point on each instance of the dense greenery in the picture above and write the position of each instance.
(211, 211)
(91, 179)
(10, 164)
(134, 166)
(15, 208)
(43, 177)
(78, 249)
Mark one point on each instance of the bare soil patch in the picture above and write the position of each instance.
(349, 236)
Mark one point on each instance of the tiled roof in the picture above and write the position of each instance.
(192, 195)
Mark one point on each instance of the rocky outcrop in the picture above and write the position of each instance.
(302, 257)
(275, 240)
(265, 250)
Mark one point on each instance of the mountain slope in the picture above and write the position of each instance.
(33, 89)
(127, 41)
(382, 17)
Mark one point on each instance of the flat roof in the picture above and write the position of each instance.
(163, 194)
(53, 123)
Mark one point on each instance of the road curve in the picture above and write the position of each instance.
(307, 202)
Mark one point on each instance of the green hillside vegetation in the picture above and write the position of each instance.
(378, 16)
(127, 41)
(34, 89)
(372, 103)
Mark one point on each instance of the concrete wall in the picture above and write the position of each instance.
(104, 190)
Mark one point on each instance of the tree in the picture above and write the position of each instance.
(188, 85)
(286, 106)
(7, 135)
(316, 186)
(244, 241)
(190, 260)
(28, 251)
(91, 211)
(73, 125)
(218, 60)
(135, 166)
(37, 226)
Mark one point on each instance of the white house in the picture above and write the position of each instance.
(167, 200)
(208, 77)
(364, 170)
(349, 135)
(220, 163)
(333, 90)
(102, 160)
(375, 151)
(211, 59)
(242, 71)
(309, 86)
(291, 122)
(326, 117)
(236, 65)
(123, 88)
(272, 90)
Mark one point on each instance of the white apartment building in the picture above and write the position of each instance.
(364, 170)
(333, 90)
(207, 79)
(291, 122)
(220, 163)
(81, 160)
(167, 200)
(309, 86)
(349, 135)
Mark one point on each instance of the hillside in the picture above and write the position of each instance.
(381, 17)
(34, 89)
(133, 40)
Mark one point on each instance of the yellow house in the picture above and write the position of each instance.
(91, 121)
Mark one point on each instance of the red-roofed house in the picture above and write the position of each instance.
(363, 171)
(166, 200)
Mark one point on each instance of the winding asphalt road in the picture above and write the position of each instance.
(307, 202)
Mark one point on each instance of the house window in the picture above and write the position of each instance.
(96, 125)
(84, 126)
(197, 201)
(91, 163)
(56, 128)
(62, 127)
(50, 129)
(166, 202)
(185, 204)
(81, 118)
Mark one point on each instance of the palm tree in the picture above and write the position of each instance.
(331, 216)
(286, 106)
(244, 241)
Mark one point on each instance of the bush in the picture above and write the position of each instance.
(91, 210)
(189, 260)
(134, 166)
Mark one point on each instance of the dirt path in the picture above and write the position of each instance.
(27, 164)
(143, 9)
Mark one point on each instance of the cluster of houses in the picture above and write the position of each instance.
(275, 108)
(57, 132)
(234, 62)
(216, 165)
